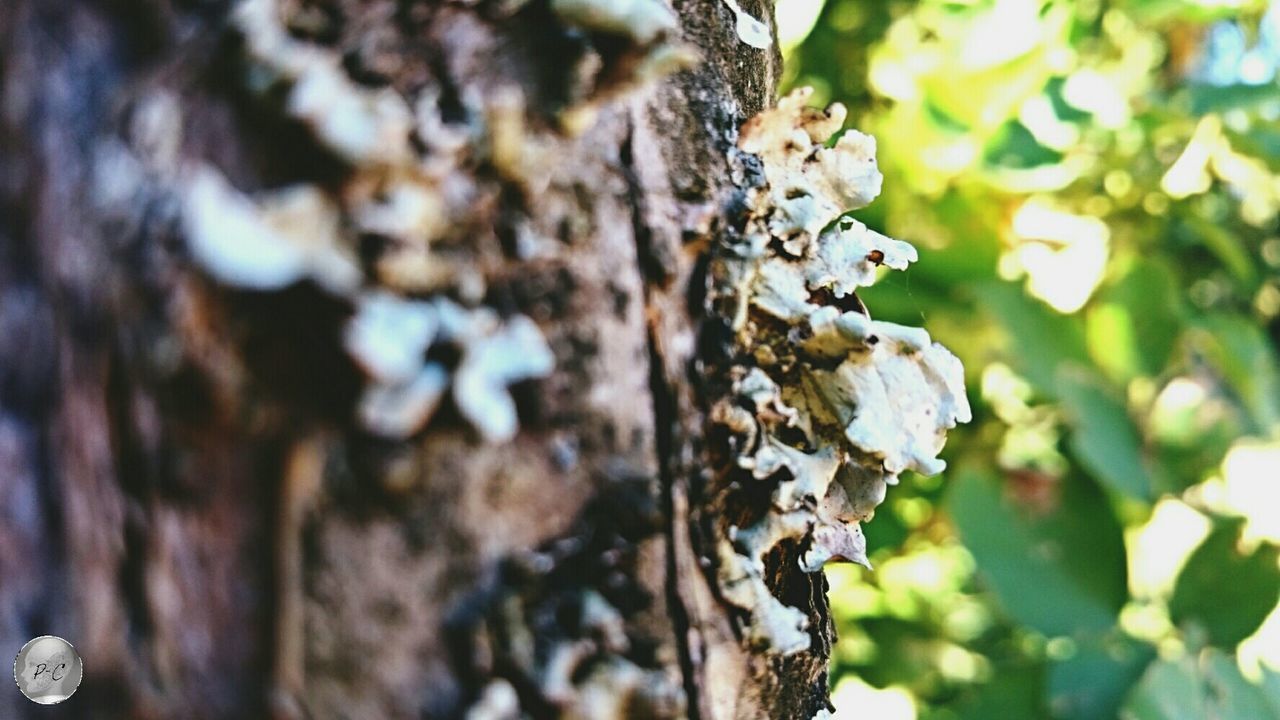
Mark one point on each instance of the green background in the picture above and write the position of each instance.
(1092, 188)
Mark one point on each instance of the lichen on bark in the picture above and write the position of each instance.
(375, 357)
(830, 406)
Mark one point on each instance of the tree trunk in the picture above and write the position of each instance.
(360, 360)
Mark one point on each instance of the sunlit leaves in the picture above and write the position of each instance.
(1002, 52)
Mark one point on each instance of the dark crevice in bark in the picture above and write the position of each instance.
(133, 588)
(654, 264)
(713, 350)
(664, 412)
(665, 419)
(134, 482)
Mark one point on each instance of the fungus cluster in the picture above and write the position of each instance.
(828, 405)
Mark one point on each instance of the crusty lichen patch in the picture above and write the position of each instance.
(830, 406)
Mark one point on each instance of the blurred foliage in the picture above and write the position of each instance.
(1093, 189)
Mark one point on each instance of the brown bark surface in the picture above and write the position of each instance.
(185, 491)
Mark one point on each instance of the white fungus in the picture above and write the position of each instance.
(388, 335)
(267, 242)
(401, 409)
(515, 351)
(871, 399)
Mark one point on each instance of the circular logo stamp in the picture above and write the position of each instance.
(48, 670)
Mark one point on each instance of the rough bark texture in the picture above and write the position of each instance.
(187, 493)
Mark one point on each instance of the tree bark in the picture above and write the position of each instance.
(199, 489)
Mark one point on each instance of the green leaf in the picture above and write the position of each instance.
(1192, 688)
(1040, 340)
(1271, 689)
(904, 651)
(1229, 248)
(1158, 11)
(1261, 141)
(1134, 324)
(1230, 695)
(1178, 468)
(1014, 146)
(976, 250)
(1223, 591)
(1016, 691)
(1104, 437)
(1170, 690)
(1112, 332)
(1207, 99)
(1061, 572)
(1093, 683)
(1246, 360)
